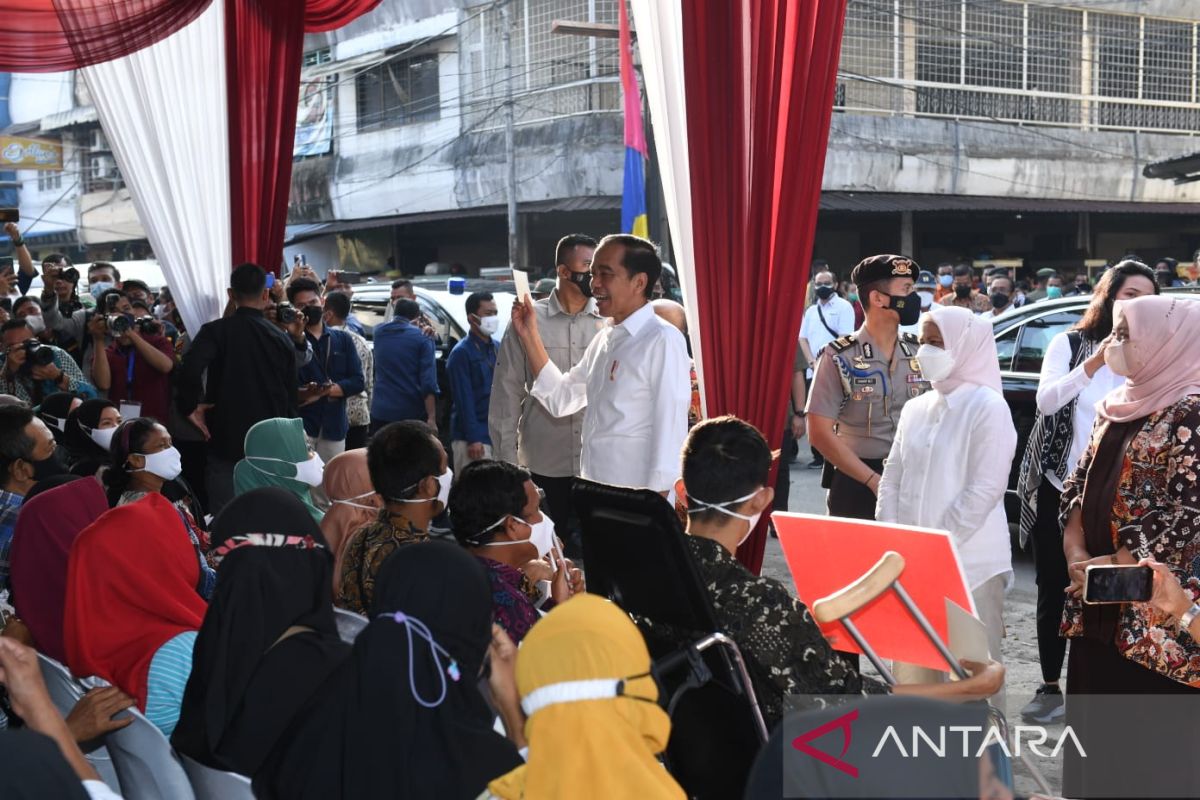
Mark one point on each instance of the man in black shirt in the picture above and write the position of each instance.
(240, 370)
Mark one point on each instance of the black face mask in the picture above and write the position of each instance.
(1164, 278)
(999, 300)
(312, 315)
(962, 292)
(49, 467)
(582, 281)
(907, 306)
(824, 292)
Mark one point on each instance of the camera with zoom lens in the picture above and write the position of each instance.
(118, 324)
(38, 354)
(147, 326)
(286, 313)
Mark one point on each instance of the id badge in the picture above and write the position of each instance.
(130, 409)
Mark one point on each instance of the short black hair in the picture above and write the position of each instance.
(1006, 277)
(406, 309)
(15, 443)
(302, 285)
(338, 304)
(484, 492)
(402, 283)
(568, 243)
(1171, 263)
(54, 258)
(400, 456)
(944, 264)
(724, 458)
(6, 304)
(24, 301)
(640, 258)
(476, 299)
(134, 283)
(248, 281)
(97, 265)
(961, 270)
(12, 325)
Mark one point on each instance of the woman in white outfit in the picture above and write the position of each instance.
(948, 465)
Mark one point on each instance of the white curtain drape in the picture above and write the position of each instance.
(163, 110)
(659, 26)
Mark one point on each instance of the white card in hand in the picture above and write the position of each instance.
(967, 634)
(521, 281)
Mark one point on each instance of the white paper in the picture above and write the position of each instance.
(967, 634)
(521, 281)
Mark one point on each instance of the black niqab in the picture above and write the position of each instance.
(246, 684)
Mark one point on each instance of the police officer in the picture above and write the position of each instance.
(862, 382)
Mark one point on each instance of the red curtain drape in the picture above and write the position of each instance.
(759, 86)
(55, 35)
(264, 41)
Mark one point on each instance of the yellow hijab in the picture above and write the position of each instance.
(597, 748)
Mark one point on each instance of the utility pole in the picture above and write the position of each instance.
(510, 154)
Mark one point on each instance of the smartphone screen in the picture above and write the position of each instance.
(1118, 584)
(270, 280)
(10, 215)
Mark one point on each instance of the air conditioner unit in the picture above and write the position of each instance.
(104, 168)
(98, 143)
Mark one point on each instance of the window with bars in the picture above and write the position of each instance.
(1013, 60)
(400, 92)
(49, 180)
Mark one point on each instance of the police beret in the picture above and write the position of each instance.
(1047, 273)
(884, 268)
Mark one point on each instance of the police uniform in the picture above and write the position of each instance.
(864, 393)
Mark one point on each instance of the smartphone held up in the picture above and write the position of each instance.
(1118, 584)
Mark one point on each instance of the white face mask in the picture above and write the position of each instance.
(696, 506)
(926, 300)
(541, 534)
(166, 464)
(36, 323)
(444, 480)
(160, 311)
(350, 502)
(936, 363)
(489, 325)
(1116, 356)
(310, 471)
(58, 423)
(101, 436)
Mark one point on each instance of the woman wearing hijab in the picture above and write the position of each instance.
(1074, 378)
(354, 503)
(403, 717)
(594, 724)
(90, 429)
(54, 411)
(132, 606)
(269, 638)
(277, 454)
(46, 528)
(942, 471)
(1135, 495)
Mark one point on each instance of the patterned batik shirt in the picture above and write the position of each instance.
(784, 650)
(1156, 514)
(366, 551)
(514, 599)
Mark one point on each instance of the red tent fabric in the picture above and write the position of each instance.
(759, 81)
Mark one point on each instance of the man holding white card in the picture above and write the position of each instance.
(633, 379)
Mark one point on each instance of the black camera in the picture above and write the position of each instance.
(147, 326)
(286, 313)
(118, 324)
(38, 354)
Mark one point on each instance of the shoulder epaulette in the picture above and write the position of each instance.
(843, 343)
(910, 338)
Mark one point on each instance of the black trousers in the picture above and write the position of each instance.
(1050, 566)
(357, 437)
(783, 479)
(848, 497)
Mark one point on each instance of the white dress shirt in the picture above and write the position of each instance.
(1060, 385)
(635, 382)
(948, 470)
(839, 315)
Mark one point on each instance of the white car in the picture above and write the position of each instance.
(447, 312)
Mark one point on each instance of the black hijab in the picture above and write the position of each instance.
(87, 457)
(367, 735)
(54, 411)
(246, 684)
(32, 768)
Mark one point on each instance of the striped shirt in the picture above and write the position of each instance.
(168, 677)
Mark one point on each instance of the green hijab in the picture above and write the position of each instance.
(281, 439)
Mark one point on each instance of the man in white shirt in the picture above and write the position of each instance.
(1002, 294)
(633, 378)
(829, 318)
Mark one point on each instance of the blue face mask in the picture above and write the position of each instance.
(97, 289)
(1053, 291)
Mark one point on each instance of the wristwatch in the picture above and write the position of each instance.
(801, 414)
(1185, 621)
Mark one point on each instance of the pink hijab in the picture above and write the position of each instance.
(969, 341)
(1160, 355)
(354, 504)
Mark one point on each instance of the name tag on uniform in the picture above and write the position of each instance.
(916, 379)
(864, 381)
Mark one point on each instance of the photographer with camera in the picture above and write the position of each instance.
(33, 371)
(138, 359)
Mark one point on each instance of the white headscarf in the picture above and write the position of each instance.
(968, 340)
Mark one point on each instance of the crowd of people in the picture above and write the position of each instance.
(186, 515)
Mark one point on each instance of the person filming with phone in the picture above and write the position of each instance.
(1134, 495)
